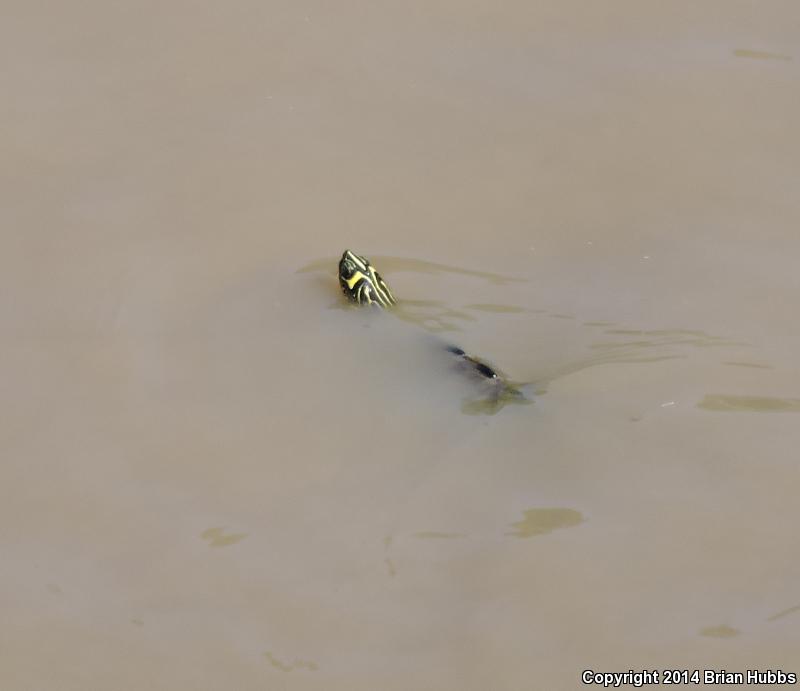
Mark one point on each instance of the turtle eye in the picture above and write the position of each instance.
(345, 270)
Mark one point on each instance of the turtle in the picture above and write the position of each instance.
(363, 285)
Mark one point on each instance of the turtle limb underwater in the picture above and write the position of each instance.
(363, 285)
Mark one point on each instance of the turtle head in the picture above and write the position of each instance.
(361, 283)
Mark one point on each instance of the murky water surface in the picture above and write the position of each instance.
(214, 475)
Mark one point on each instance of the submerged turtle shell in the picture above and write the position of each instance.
(363, 285)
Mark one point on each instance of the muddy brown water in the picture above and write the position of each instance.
(214, 477)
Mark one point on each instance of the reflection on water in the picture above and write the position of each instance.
(290, 666)
(628, 347)
(760, 54)
(217, 537)
(784, 613)
(406, 264)
(543, 521)
(752, 404)
(668, 337)
(437, 316)
(659, 346)
(722, 631)
(754, 365)
(490, 395)
(492, 402)
(501, 309)
(431, 315)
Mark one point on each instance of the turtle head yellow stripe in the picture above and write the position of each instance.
(361, 283)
